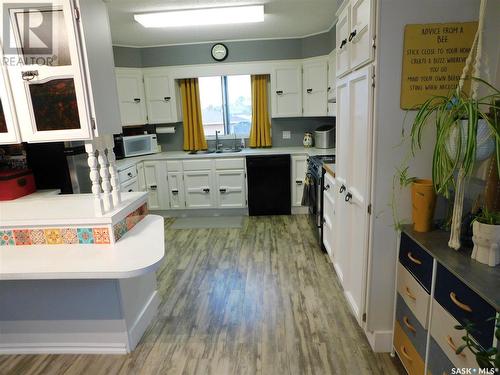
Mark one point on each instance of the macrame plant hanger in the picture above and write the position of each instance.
(462, 179)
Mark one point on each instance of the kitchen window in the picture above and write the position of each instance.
(226, 105)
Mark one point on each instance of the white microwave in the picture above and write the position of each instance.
(139, 145)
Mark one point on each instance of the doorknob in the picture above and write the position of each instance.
(342, 189)
(348, 197)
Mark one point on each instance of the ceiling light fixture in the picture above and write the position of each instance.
(207, 16)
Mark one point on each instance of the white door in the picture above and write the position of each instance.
(176, 190)
(9, 132)
(131, 96)
(231, 189)
(343, 30)
(49, 87)
(361, 49)
(332, 74)
(198, 189)
(286, 91)
(357, 197)
(342, 137)
(160, 98)
(156, 184)
(299, 168)
(314, 88)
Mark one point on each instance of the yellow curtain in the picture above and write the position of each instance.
(194, 136)
(260, 133)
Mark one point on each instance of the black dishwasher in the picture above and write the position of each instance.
(269, 191)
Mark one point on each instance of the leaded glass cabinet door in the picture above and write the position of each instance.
(8, 123)
(46, 71)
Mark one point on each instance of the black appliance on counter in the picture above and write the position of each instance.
(269, 191)
(315, 174)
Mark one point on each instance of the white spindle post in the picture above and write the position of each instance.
(115, 183)
(94, 177)
(105, 184)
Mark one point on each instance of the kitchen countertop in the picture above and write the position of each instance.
(481, 278)
(329, 168)
(138, 252)
(173, 155)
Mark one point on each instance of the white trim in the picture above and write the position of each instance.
(144, 319)
(380, 341)
(230, 40)
(64, 348)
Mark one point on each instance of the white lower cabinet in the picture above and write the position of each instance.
(141, 180)
(328, 214)
(198, 189)
(231, 192)
(156, 184)
(299, 168)
(176, 190)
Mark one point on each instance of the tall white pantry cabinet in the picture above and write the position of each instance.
(70, 93)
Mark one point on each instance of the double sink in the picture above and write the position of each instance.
(219, 151)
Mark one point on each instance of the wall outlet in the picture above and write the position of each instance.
(287, 134)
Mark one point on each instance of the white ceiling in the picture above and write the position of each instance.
(283, 19)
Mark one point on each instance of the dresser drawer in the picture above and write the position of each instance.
(127, 174)
(411, 327)
(449, 338)
(438, 363)
(465, 304)
(412, 361)
(414, 295)
(416, 260)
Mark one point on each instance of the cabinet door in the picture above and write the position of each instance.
(329, 214)
(286, 91)
(48, 83)
(156, 184)
(131, 96)
(198, 189)
(361, 34)
(8, 121)
(314, 88)
(176, 190)
(141, 180)
(332, 75)
(343, 29)
(231, 189)
(299, 168)
(160, 98)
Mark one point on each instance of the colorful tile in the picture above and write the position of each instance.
(22, 236)
(69, 235)
(37, 237)
(53, 236)
(6, 238)
(85, 235)
(119, 229)
(101, 236)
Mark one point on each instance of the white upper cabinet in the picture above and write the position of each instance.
(61, 91)
(355, 32)
(131, 96)
(286, 90)
(161, 98)
(314, 87)
(332, 75)
(8, 121)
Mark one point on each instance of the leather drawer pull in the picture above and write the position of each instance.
(409, 294)
(407, 324)
(405, 354)
(463, 306)
(452, 345)
(413, 259)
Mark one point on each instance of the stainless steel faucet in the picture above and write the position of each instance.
(217, 140)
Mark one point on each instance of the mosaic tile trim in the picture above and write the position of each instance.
(123, 226)
(54, 236)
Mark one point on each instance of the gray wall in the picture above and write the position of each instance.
(253, 50)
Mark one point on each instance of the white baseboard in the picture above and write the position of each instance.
(207, 212)
(299, 210)
(143, 320)
(64, 348)
(380, 341)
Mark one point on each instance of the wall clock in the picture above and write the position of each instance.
(219, 52)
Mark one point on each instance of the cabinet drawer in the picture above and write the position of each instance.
(415, 297)
(130, 186)
(416, 260)
(411, 326)
(174, 166)
(230, 163)
(197, 165)
(449, 338)
(438, 363)
(412, 361)
(464, 304)
(127, 174)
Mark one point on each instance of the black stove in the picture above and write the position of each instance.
(315, 164)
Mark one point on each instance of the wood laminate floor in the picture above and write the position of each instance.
(262, 299)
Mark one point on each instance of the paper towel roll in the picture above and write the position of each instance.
(165, 130)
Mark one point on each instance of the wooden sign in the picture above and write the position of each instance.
(433, 59)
